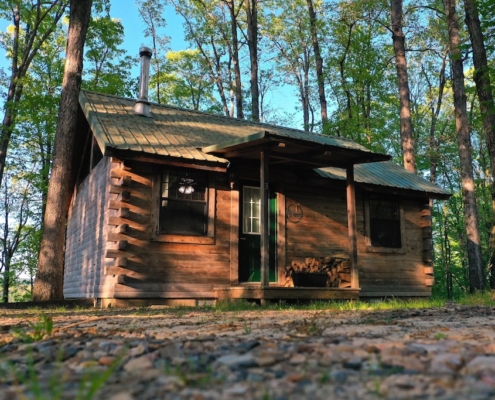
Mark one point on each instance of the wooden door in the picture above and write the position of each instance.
(250, 235)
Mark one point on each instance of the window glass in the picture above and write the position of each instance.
(183, 208)
(251, 210)
(385, 223)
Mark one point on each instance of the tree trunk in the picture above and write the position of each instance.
(252, 36)
(49, 277)
(487, 104)
(319, 62)
(235, 59)
(476, 279)
(406, 125)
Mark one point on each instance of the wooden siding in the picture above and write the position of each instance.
(322, 231)
(155, 267)
(86, 237)
(113, 250)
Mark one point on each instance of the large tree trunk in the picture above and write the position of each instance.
(487, 105)
(406, 125)
(252, 39)
(319, 62)
(476, 279)
(49, 277)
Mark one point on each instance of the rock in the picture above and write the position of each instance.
(106, 360)
(236, 390)
(265, 361)
(297, 359)
(338, 376)
(122, 396)
(480, 365)
(237, 361)
(445, 363)
(135, 364)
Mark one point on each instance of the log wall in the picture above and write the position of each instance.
(146, 266)
(322, 231)
(87, 229)
(113, 251)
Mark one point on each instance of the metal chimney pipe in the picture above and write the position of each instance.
(142, 106)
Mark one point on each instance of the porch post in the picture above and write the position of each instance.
(265, 226)
(352, 227)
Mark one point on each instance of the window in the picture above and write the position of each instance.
(251, 210)
(183, 202)
(384, 223)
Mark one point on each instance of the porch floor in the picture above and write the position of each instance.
(284, 293)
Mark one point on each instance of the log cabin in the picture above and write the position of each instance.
(177, 206)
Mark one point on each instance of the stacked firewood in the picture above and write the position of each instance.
(337, 267)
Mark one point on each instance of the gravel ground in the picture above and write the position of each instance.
(160, 353)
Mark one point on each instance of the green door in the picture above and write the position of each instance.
(250, 235)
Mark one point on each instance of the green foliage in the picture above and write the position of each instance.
(39, 330)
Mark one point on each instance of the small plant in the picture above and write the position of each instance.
(247, 328)
(440, 336)
(41, 329)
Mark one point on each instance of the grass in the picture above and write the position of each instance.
(334, 305)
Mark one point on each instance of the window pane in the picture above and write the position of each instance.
(183, 202)
(183, 217)
(385, 223)
(251, 210)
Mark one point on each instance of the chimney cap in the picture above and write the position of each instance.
(145, 51)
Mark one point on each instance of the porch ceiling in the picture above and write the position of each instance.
(315, 152)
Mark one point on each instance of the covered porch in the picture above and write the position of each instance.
(272, 152)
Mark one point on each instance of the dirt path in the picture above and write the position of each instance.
(159, 353)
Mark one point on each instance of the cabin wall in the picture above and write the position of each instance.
(86, 237)
(323, 231)
(146, 266)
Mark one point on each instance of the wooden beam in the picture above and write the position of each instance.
(264, 221)
(352, 226)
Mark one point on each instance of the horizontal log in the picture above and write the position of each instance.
(125, 180)
(121, 262)
(125, 196)
(392, 294)
(429, 281)
(123, 212)
(121, 228)
(394, 288)
(286, 293)
(428, 270)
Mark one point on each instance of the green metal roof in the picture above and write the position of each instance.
(180, 133)
(192, 136)
(388, 174)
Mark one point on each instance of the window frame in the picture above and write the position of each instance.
(367, 221)
(156, 235)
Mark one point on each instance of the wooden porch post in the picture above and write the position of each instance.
(352, 227)
(265, 226)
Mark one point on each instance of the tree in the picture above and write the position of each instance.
(476, 279)
(107, 68)
(487, 104)
(251, 8)
(151, 12)
(49, 277)
(406, 124)
(318, 60)
(33, 24)
(186, 81)
(287, 30)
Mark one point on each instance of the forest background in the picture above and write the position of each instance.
(324, 66)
